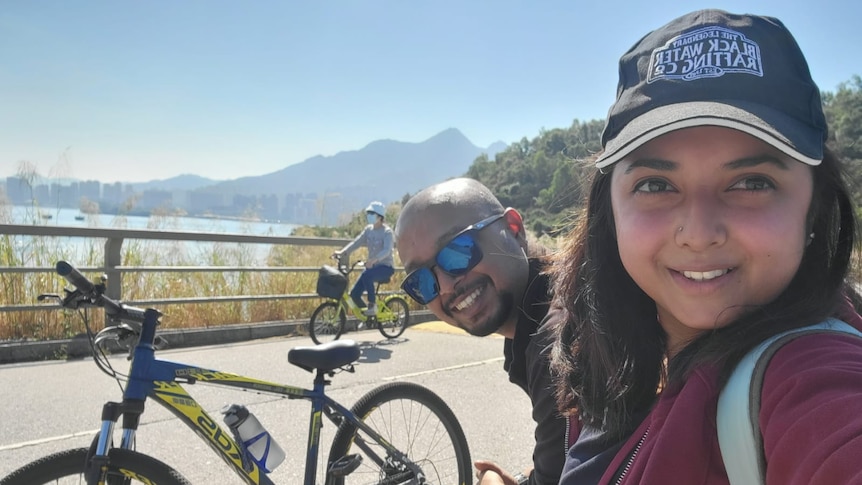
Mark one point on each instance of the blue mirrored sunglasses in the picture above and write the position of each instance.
(459, 256)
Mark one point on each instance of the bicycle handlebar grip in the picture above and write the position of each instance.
(74, 276)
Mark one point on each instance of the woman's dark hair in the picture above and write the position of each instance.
(609, 353)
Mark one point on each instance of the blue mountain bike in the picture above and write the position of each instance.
(398, 433)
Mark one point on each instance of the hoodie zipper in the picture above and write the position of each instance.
(631, 458)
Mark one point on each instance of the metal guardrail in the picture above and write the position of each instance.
(113, 268)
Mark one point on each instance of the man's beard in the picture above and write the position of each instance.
(493, 322)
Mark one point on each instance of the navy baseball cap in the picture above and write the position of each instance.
(714, 68)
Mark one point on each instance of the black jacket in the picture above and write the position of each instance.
(526, 361)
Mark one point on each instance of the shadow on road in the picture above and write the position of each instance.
(372, 352)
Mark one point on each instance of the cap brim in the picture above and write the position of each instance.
(792, 138)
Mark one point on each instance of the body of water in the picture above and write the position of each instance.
(79, 249)
(74, 218)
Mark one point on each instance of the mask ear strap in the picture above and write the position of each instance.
(514, 221)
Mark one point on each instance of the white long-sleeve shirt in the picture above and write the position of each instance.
(380, 242)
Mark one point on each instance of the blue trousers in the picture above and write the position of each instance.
(366, 282)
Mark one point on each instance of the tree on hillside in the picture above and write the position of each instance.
(844, 114)
(541, 177)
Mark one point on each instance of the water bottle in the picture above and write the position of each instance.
(256, 440)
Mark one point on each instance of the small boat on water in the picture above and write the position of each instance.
(46, 216)
(79, 217)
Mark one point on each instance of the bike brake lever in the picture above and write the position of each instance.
(73, 299)
(124, 337)
(45, 296)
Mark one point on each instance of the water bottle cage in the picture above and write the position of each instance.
(245, 455)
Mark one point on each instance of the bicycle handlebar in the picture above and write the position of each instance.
(346, 269)
(133, 328)
(74, 276)
(91, 294)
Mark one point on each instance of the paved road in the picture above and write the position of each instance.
(55, 405)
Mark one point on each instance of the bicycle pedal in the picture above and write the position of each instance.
(345, 465)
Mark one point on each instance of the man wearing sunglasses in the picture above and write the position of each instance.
(466, 258)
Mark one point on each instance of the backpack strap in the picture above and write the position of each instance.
(739, 405)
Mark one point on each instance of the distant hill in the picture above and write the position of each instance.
(383, 170)
(180, 182)
(495, 148)
(322, 190)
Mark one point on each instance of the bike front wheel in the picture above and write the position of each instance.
(67, 467)
(327, 323)
(392, 320)
(417, 423)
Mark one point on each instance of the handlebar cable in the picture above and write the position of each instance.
(99, 355)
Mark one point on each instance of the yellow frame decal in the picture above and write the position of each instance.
(176, 398)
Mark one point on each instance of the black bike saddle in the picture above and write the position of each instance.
(325, 357)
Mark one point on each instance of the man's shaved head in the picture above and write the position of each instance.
(486, 298)
(461, 195)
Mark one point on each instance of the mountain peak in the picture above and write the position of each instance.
(382, 170)
(449, 135)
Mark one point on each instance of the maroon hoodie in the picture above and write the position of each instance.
(810, 419)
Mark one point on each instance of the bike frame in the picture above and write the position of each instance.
(161, 380)
(348, 306)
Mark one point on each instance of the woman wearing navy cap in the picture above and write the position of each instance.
(717, 219)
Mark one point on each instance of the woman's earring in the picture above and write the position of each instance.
(679, 229)
(810, 239)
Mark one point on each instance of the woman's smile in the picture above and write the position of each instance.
(705, 275)
(701, 283)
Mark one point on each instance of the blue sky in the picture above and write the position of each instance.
(136, 91)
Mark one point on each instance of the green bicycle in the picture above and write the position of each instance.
(328, 320)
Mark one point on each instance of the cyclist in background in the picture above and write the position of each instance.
(377, 236)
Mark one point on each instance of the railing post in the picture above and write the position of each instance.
(113, 258)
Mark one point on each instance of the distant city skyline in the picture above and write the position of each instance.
(134, 92)
(118, 198)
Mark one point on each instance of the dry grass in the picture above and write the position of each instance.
(22, 288)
